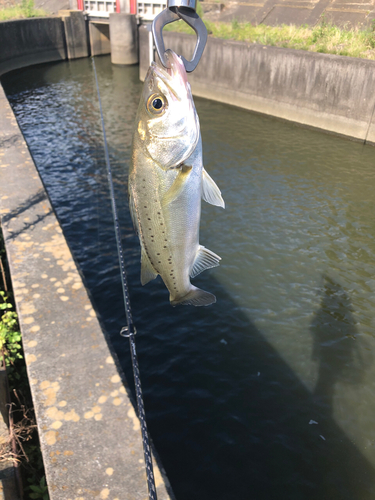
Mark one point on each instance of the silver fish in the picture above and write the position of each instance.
(166, 183)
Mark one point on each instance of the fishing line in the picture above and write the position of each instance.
(128, 331)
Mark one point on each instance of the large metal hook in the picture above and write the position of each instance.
(175, 11)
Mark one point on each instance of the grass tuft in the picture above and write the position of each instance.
(23, 10)
(324, 38)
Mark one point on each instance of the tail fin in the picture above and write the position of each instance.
(195, 297)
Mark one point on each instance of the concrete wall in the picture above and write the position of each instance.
(31, 41)
(333, 93)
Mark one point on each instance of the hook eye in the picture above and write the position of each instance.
(193, 20)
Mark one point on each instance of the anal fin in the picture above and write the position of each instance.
(210, 192)
(205, 259)
(148, 272)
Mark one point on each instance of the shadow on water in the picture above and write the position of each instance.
(229, 418)
(256, 442)
(335, 344)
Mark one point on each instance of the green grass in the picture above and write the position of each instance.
(324, 37)
(21, 11)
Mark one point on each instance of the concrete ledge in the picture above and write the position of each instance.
(332, 93)
(89, 432)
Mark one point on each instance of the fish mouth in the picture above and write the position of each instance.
(174, 76)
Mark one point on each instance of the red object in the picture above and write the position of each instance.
(80, 4)
(133, 7)
(118, 9)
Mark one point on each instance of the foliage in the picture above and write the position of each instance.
(10, 337)
(324, 37)
(40, 490)
(21, 11)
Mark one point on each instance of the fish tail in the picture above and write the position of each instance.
(195, 297)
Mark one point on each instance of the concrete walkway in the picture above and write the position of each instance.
(88, 428)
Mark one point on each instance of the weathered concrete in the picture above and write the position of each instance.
(272, 12)
(75, 33)
(124, 38)
(99, 38)
(332, 93)
(52, 6)
(31, 41)
(89, 432)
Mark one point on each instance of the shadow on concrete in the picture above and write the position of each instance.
(30, 202)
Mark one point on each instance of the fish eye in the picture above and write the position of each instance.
(156, 104)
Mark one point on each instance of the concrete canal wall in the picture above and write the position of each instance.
(25, 42)
(328, 92)
(31, 41)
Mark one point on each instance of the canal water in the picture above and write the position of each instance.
(268, 394)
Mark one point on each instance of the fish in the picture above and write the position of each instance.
(167, 182)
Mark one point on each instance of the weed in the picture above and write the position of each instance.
(24, 10)
(323, 38)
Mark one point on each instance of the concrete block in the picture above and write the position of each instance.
(75, 33)
(212, 7)
(124, 38)
(99, 38)
(287, 15)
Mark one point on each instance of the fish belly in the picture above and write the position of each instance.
(168, 232)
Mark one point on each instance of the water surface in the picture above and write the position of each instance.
(269, 393)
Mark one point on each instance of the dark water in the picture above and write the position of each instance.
(269, 393)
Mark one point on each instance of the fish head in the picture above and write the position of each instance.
(167, 122)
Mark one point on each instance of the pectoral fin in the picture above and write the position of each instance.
(175, 190)
(205, 259)
(148, 272)
(210, 192)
